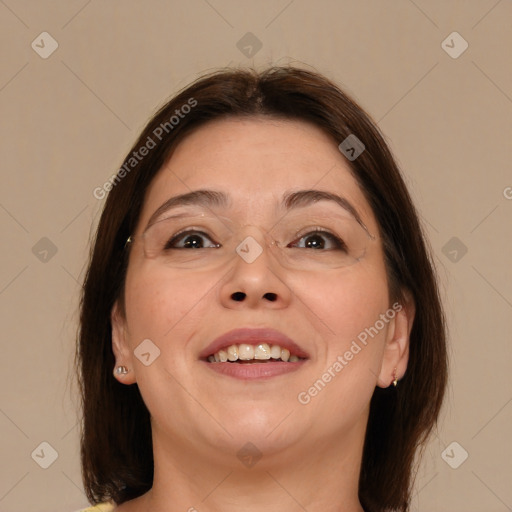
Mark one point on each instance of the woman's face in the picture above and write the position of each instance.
(331, 302)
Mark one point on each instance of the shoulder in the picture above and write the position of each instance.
(100, 507)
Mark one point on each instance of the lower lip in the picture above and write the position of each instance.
(254, 371)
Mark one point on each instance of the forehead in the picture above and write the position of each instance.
(255, 161)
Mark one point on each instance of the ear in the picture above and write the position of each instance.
(396, 351)
(120, 345)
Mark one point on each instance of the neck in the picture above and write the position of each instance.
(322, 476)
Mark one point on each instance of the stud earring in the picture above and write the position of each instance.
(121, 370)
(395, 379)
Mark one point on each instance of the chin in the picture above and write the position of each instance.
(268, 429)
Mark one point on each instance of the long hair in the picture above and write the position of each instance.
(116, 445)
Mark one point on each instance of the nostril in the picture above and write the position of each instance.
(238, 296)
(272, 297)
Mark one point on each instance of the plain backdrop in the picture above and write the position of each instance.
(68, 118)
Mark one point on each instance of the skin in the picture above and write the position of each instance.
(311, 454)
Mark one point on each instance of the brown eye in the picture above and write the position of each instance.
(320, 240)
(190, 240)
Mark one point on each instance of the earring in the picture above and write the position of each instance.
(121, 370)
(395, 379)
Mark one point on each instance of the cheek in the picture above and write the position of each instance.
(348, 306)
(166, 307)
(161, 302)
(346, 301)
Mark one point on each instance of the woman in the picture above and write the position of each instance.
(261, 327)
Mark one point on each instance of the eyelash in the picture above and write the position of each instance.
(338, 242)
(180, 235)
(340, 245)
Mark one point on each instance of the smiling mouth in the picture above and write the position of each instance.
(245, 353)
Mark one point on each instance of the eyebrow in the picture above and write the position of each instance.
(213, 198)
(304, 198)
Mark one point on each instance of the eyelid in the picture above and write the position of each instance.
(190, 231)
(183, 217)
(314, 229)
(176, 216)
(323, 231)
(335, 216)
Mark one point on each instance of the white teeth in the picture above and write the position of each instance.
(246, 352)
(262, 351)
(275, 351)
(232, 353)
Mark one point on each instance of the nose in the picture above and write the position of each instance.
(256, 280)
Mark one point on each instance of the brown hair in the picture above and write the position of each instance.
(116, 445)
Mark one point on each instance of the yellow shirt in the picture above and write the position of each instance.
(100, 507)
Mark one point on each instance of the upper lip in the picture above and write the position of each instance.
(252, 336)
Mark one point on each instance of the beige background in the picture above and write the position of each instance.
(67, 121)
